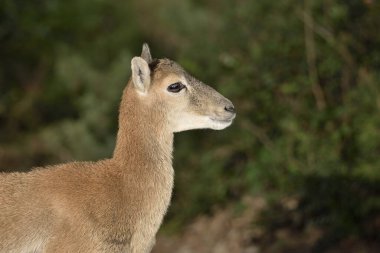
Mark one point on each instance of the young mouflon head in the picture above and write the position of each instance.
(185, 102)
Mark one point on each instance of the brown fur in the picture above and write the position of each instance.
(117, 204)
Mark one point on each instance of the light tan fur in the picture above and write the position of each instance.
(116, 204)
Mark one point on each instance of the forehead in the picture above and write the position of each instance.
(166, 66)
(169, 69)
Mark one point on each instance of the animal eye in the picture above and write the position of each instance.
(176, 87)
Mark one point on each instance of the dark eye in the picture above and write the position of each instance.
(176, 87)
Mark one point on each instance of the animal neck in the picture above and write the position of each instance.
(143, 138)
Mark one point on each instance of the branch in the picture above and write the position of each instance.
(311, 56)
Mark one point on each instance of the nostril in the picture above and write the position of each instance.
(229, 108)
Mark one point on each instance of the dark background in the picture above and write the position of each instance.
(303, 75)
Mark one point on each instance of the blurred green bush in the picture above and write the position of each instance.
(304, 77)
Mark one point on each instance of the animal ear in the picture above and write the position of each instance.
(140, 74)
(145, 53)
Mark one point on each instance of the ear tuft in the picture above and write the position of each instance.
(140, 74)
(145, 53)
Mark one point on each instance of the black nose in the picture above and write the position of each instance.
(229, 108)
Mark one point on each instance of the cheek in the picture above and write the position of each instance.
(194, 104)
(189, 121)
(200, 105)
(176, 111)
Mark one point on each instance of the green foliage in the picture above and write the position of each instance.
(303, 77)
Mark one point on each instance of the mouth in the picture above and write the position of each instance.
(224, 120)
(221, 123)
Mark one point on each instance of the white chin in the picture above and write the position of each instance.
(219, 125)
(202, 122)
